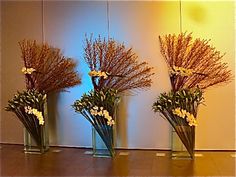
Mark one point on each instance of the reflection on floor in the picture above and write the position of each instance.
(75, 162)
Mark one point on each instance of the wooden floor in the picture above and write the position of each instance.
(74, 162)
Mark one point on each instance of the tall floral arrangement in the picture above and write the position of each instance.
(114, 69)
(194, 65)
(46, 70)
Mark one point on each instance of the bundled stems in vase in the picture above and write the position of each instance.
(98, 107)
(29, 108)
(180, 109)
(187, 136)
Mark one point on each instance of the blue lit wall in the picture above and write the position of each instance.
(66, 24)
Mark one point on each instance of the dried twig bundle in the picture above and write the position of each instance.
(118, 66)
(193, 62)
(46, 69)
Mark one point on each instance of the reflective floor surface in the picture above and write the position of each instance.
(79, 162)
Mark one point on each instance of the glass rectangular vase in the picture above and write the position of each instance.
(178, 149)
(99, 147)
(30, 145)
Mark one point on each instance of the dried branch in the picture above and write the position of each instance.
(124, 71)
(197, 55)
(53, 71)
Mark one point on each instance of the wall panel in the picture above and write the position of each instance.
(20, 20)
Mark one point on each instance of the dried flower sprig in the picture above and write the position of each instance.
(51, 70)
(125, 72)
(184, 52)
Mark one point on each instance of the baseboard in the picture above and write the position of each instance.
(122, 148)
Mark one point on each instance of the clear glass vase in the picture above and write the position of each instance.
(103, 145)
(40, 143)
(104, 137)
(182, 142)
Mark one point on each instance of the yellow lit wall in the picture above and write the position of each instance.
(138, 25)
(215, 21)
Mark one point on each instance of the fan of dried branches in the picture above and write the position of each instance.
(197, 55)
(54, 72)
(124, 71)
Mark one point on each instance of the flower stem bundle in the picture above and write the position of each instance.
(28, 106)
(98, 107)
(180, 110)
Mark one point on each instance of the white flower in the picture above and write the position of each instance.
(24, 70)
(178, 112)
(45, 96)
(184, 112)
(109, 118)
(99, 73)
(111, 122)
(100, 113)
(181, 71)
(35, 112)
(104, 75)
(94, 73)
(105, 113)
(28, 110)
(41, 121)
(95, 108)
(93, 112)
(27, 70)
(185, 115)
